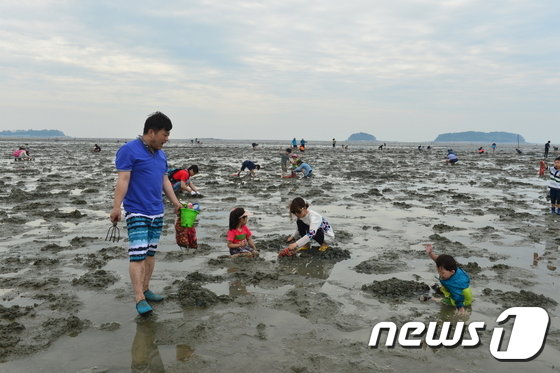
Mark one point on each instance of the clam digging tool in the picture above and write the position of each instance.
(113, 234)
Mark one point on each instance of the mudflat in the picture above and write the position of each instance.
(67, 303)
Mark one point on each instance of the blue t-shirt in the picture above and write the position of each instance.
(147, 170)
(305, 168)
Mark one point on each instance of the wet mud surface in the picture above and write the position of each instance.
(65, 290)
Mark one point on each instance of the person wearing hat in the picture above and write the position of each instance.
(239, 236)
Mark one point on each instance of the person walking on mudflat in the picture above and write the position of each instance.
(546, 149)
(142, 176)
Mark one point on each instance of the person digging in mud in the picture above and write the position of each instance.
(239, 236)
(451, 157)
(250, 166)
(454, 282)
(21, 154)
(142, 175)
(304, 168)
(554, 186)
(310, 225)
(181, 180)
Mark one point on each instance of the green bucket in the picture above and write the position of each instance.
(188, 217)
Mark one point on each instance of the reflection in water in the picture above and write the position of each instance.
(145, 353)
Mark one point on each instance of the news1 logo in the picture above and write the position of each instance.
(526, 341)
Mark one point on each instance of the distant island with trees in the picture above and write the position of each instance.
(33, 133)
(474, 136)
(361, 136)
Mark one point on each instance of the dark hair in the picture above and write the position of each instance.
(297, 205)
(447, 262)
(557, 159)
(234, 217)
(194, 168)
(157, 121)
(257, 167)
(288, 150)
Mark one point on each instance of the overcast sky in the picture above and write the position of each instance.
(402, 70)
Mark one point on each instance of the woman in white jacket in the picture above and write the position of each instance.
(310, 225)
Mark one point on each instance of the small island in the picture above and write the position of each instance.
(474, 136)
(361, 136)
(33, 133)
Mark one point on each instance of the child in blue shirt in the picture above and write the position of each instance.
(455, 283)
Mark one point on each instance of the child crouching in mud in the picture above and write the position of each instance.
(239, 236)
(310, 225)
(454, 282)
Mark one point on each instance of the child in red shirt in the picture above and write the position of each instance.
(239, 236)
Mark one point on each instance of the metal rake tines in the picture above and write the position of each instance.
(113, 234)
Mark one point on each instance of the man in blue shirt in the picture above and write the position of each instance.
(142, 176)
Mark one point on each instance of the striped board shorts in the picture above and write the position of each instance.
(143, 235)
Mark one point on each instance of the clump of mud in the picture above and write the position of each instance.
(311, 305)
(82, 241)
(387, 262)
(191, 294)
(520, 298)
(203, 278)
(96, 279)
(240, 261)
(395, 289)
(14, 342)
(471, 268)
(332, 253)
(54, 248)
(445, 228)
(92, 261)
(379, 266)
(45, 262)
(255, 277)
(445, 242)
(13, 312)
(61, 302)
